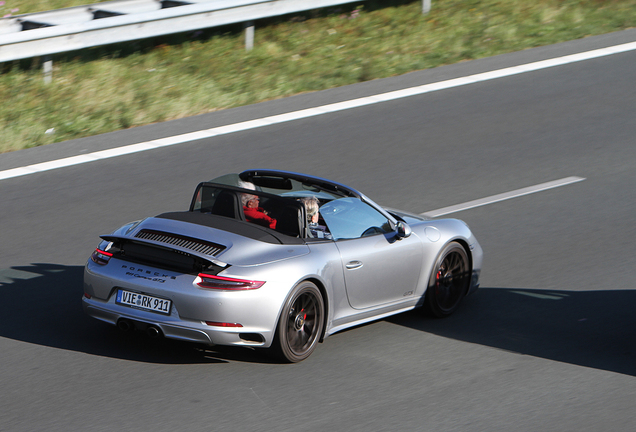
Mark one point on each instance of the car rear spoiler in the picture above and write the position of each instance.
(161, 254)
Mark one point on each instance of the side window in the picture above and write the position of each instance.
(349, 218)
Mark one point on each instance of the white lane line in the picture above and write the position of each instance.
(312, 112)
(504, 196)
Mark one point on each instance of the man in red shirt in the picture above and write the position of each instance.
(256, 214)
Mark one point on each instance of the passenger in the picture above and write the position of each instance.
(253, 212)
(312, 206)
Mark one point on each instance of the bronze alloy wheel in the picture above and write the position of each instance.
(301, 323)
(449, 281)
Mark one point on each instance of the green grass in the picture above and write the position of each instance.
(110, 88)
(19, 7)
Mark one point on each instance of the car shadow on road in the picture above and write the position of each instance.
(41, 304)
(594, 329)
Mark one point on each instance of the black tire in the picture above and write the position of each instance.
(300, 324)
(449, 281)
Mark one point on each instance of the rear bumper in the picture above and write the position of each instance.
(173, 329)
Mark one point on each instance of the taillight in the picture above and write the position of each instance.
(101, 257)
(225, 283)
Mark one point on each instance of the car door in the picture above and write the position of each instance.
(378, 268)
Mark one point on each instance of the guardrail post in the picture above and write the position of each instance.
(426, 6)
(47, 69)
(249, 35)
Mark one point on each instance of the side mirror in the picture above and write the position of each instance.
(403, 230)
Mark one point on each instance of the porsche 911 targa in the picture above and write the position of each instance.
(277, 260)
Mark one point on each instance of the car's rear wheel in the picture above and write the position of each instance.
(449, 281)
(300, 324)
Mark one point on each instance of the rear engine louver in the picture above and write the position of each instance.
(192, 244)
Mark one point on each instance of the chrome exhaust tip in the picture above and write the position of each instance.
(153, 332)
(125, 325)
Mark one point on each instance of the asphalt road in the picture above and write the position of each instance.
(546, 344)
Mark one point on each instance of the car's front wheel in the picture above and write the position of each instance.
(449, 281)
(300, 324)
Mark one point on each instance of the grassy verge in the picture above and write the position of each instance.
(110, 88)
(19, 7)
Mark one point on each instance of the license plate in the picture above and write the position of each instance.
(143, 301)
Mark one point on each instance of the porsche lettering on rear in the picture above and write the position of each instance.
(148, 273)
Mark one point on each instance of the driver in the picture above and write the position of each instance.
(312, 206)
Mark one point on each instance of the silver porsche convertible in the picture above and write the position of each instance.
(277, 260)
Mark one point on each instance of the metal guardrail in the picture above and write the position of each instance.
(63, 30)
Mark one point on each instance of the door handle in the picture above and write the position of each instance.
(352, 265)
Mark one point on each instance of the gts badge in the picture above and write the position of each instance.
(141, 273)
